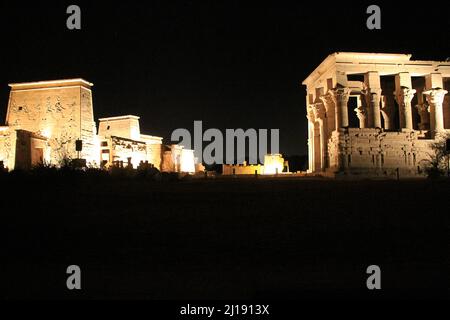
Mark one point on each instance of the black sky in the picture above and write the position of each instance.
(232, 64)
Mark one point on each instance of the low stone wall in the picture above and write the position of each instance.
(241, 169)
(377, 152)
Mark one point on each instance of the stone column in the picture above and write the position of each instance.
(319, 114)
(361, 113)
(403, 95)
(435, 98)
(372, 93)
(340, 96)
(330, 112)
(310, 148)
(373, 103)
(368, 108)
(311, 133)
(387, 110)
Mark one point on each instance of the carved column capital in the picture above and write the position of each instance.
(340, 95)
(435, 96)
(404, 96)
(319, 111)
(310, 114)
(361, 112)
(330, 108)
(327, 101)
(371, 94)
(373, 98)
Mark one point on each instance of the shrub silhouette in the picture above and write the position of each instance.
(437, 165)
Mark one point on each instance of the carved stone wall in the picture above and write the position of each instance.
(45, 119)
(124, 149)
(374, 151)
(8, 147)
(410, 95)
(60, 111)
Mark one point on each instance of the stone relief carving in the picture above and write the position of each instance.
(62, 147)
(5, 146)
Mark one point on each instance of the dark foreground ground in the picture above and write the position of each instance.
(227, 239)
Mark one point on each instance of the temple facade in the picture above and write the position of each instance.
(375, 114)
(50, 122)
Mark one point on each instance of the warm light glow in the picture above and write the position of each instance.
(118, 138)
(46, 133)
(51, 83)
(273, 163)
(137, 158)
(187, 161)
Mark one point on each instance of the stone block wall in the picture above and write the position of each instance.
(377, 152)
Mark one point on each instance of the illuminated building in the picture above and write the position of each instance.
(273, 164)
(45, 121)
(121, 141)
(374, 114)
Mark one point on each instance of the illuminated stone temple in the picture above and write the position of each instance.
(274, 164)
(375, 114)
(52, 122)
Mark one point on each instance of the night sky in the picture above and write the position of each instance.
(229, 63)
